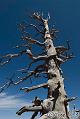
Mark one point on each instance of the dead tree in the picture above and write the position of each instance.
(50, 58)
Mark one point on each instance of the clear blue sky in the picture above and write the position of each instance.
(66, 17)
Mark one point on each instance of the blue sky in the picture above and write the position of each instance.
(66, 17)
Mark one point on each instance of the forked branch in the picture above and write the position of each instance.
(9, 57)
(32, 41)
(67, 57)
(38, 17)
(34, 26)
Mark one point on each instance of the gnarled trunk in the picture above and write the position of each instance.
(57, 106)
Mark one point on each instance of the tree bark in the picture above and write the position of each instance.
(55, 81)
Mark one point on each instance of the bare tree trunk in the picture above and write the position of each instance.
(55, 81)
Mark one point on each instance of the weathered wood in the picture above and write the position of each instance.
(55, 106)
(29, 108)
(55, 80)
(34, 87)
